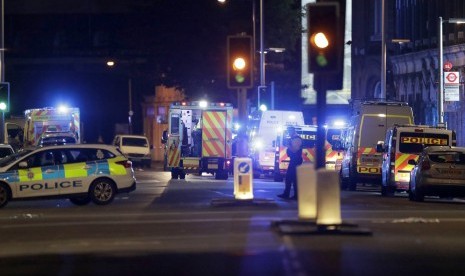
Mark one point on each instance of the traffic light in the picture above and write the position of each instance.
(4, 96)
(239, 61)
(325, 38)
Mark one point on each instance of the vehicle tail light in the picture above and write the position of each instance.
(125, 163)
(425, 165)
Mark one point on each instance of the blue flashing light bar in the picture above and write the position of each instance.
(201, 104)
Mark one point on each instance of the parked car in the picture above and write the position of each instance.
(6, 150)
(82, 173)
(135, 147)
(56, 138)
(439, 171)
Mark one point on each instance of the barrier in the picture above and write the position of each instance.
(306, 187)
(243, 178)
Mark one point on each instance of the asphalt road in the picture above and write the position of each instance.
(171, 227)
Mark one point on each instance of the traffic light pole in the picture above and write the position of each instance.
(242, 110)
(321, 88)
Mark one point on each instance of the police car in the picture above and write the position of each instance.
(81, 172)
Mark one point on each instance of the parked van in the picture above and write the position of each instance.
(405, 142)
(263, 128)
(367, 128)
(135, 147)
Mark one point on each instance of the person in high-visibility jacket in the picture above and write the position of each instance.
(294, 151)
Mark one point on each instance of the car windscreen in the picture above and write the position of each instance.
(449, 157)
(415, 142)
(12, 158)
(5, 152)
(58, 140)
(134, 142)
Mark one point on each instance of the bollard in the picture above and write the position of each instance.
(306, 187)
(329, 201)
(243, 178)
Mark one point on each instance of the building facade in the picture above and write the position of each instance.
(412, 72)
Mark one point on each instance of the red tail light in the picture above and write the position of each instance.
(425, 165)
(125, 163)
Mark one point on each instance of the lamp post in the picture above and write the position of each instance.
(275, 50)
(383, 52)
(440, 66)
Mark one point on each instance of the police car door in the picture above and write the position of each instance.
(80, 168)
(40, 176)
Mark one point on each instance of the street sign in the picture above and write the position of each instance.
(448, 66)
(451, 86)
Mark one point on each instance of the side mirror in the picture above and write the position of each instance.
(412, 162)
(23, 164)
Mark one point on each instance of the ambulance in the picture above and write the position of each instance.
(263, 128)
(50, 119)
(367, 128)
(308, 133)
(405, 142)
(199, 139)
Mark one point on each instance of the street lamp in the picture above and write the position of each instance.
(261, 86)
(440, 66)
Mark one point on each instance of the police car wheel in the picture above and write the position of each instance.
(5, 194)
(82, 200)
(102, 191)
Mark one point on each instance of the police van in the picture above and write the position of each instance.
(263, 128)
(367, 127)
(308, 133)
(405, 142)
(80, 172)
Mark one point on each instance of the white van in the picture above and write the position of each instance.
(405, 142)
(263, 129)
(367, 128)
(135, 147)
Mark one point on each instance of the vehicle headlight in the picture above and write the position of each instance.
(258, 144)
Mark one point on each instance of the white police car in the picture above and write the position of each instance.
(81, 172)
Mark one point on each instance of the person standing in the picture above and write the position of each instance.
(294, 151)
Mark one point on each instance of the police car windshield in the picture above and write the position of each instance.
(12, 158)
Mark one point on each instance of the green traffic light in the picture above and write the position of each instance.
(239, 78)
(321, 60)
(3, 106)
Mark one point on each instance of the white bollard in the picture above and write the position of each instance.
(329, 201)
(306, 186)
(243, 178)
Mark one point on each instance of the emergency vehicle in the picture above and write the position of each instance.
(50, 119)
(308, 133)
(334, 152)
(263, 128)
(82, 173)
(405, 142)
(367, 127)
(199, 139)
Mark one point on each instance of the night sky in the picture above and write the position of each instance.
(56, 53)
